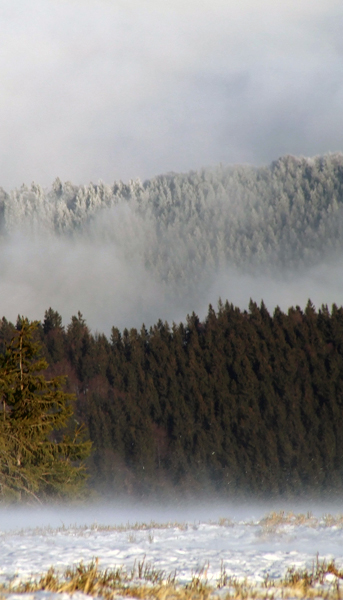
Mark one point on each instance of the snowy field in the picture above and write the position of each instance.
(214, 546)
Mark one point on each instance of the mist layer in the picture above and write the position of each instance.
(124, 254)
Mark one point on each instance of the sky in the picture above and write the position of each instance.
(114, 89)
(120, 89)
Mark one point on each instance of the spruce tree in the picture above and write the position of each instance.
(40, 455)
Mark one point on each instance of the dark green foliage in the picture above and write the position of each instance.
(37, 460)
(242, 401)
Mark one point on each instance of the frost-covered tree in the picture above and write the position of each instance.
(182, 226)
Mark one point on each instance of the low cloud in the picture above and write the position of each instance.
(73, 276)
(111, 285)
(100, 90)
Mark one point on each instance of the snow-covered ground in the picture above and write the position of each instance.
(243, 542)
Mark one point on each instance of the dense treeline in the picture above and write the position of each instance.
(243, 401)
(288, 215)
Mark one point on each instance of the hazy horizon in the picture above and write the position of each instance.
(126, 511)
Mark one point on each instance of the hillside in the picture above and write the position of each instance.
(235, 400)
(287, 215)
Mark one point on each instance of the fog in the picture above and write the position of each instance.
(109, 90)
(121, 513)
(111, 286)
(128, 511)
(101, 270)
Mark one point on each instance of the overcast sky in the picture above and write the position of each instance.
(112, 89)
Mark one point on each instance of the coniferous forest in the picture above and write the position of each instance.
(236, 401)
(243, 401)
(287, 215)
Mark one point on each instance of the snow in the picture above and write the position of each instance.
(248, 548)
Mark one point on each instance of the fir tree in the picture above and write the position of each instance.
(37, 459)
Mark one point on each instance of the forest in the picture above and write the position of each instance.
(241, 402)
(236, 401)
(183, 227)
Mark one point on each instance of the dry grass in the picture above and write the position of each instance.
(223, 522)
(318, 574)
(274, 521)
(82, 530)
(145, 581)
(270, 523)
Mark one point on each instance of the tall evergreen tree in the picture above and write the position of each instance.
(39, 456)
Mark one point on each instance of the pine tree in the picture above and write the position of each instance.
(40, 455)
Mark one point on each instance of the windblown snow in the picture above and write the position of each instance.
(254, 549)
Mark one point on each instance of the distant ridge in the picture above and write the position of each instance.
(286, 215)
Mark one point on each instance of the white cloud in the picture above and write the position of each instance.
(114, 90)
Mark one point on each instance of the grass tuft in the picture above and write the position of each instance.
(317, 575)
(144, 581)
(199, 582)
(274, 520)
